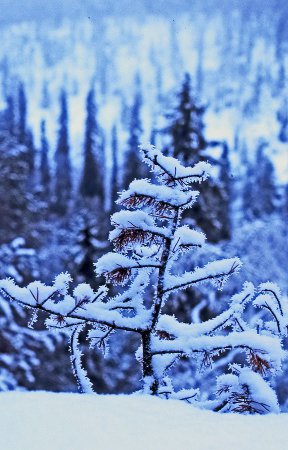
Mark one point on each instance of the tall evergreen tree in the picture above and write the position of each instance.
(45, 100)
(259, 195)
(265, 201)
(22, 114)
(45, 176)
(189, 146)
(115, 168)
(132, 163)
(92, 183)
(226, 192)
(15, 178)
(9, 115)
(29, 142)
(282, 117)
(187, 126)
(63, 182)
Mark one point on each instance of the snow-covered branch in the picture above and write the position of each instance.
(84, 305)
(217, 271)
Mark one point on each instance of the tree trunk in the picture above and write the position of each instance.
(150, 382)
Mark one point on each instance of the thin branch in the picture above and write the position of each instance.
(274, 315)
(87, 320)
(275, 296)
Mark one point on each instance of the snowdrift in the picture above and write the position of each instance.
(48, 421)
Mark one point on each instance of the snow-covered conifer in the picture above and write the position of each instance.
(148, 238)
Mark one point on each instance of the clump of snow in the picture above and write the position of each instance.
(187, 237)
(112, 261)
(259, 395)
(128, 219)
(83, 291)
(165, 194)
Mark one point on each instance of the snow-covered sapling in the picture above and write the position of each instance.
(148, 239)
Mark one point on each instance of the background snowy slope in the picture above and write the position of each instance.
(237, 59)
(69, 422)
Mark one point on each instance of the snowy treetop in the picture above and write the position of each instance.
(171, 171)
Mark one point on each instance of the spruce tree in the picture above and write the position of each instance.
(45, 176)
(87, 248)
(189, 145)
(92, 181)
(22, 114)
(9, 116)
(115, 167)
(63, 182)
(259, 190)
(132, 163)
(225, 186)
(15, 183)
(187, 127)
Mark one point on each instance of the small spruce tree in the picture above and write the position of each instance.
(148, 239)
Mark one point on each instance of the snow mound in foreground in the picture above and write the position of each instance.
(40, 420)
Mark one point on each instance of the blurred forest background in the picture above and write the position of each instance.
(82, 84)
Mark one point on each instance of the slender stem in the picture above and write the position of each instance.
(162, 272)
(83, 382)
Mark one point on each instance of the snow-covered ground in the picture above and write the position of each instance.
(46, 421)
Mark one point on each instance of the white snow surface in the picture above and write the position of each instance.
(49, 421)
